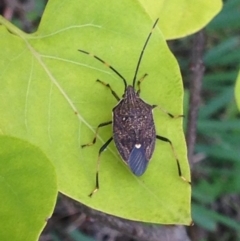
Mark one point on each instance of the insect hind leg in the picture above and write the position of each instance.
(110, 88)
(161, 138)
(98, 165)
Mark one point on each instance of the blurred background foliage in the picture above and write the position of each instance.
(216, 169)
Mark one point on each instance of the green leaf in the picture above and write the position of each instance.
(179, 18)
(230, 49)
(237, 91)
(202, 217)
(52, 100)
(216, 103)
(208, 219)
(228, 19)
(28, 190)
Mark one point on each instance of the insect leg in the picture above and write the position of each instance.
(109, 87)
(98, 164)
(161, 138)
(95, 136)
(139, 83)
(166, 112)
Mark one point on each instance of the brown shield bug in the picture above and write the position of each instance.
(133, 126)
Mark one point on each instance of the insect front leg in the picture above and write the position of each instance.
(166, 112)
(109, 87)
(161, 138)
(98, 165)
(139, 83)
(95, 136)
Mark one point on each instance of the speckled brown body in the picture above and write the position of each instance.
(134, 131)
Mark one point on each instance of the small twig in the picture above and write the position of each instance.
(197, 71)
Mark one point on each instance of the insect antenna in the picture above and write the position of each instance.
(106, 64)
(143, 49)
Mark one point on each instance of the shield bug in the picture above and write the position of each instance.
(133, 126)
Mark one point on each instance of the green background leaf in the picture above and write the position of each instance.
(49, 97)
(28, 190)
(237, 91)
(179, 18)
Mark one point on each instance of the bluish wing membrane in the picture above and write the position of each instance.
(137, 161)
